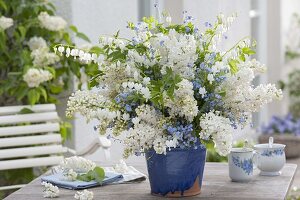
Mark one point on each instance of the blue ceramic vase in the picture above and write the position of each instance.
(179, 173)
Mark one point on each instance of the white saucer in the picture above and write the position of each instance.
(263, 173)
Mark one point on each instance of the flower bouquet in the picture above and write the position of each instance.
(169, 89)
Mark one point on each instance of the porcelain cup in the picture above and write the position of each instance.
(240, 161)
(270, 159)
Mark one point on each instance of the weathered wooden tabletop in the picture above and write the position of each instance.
(216, 185)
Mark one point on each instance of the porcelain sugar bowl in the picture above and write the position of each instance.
(270, 158)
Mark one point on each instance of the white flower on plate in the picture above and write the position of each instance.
(84, 195)
(70, 175)
(52, 23)
(34, 77)
(78, 164)
(121, 167)
(37, 43)
(6, 22)
(50, 191)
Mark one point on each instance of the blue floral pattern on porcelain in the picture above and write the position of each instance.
(275, 152)
(246, 164)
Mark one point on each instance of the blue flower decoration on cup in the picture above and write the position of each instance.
(246, 165)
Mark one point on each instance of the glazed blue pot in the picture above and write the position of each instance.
(178, 173)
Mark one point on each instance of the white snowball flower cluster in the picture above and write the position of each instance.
(34, 77)
(42, 57)
(50, 191)
(219, 129)
(37, 43)
(52, 23)
(184, 103)
(6, 22)
(78, 164)
(84, 195)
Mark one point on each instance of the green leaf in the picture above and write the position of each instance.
(26, 111)
(83, 36)
(43, 92)
(233, 66)
(248, 51)
(3, 5)
(73, 28)
(33, 96)
(22, 31)
(65, 130)
(97, 174)
(56, 89)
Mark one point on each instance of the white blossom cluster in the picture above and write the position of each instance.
(184, 103)
(52, 23)
(242, 98)
(70, 175)
(42, 57)
(37, 43)
(84, 102)
(6, 22)
(219, 128)
(84, 195)
(77, 164)
(50, 191)
(34, 77)
(131, 86)
(40, 52)
(146, 132)
(177, 51)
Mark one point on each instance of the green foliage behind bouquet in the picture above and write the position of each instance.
(30, 72)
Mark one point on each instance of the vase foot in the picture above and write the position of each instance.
(193, 191)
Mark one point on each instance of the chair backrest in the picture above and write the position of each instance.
(29, 140)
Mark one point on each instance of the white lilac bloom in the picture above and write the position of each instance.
(77, 164)
(50, 191)
(219, 129)
(52, 23)
(70, 175)
(184, 103)
(171, 86)
(84, 195)
(6, 22)
(34, 77)
(42, 57)
(37, 43)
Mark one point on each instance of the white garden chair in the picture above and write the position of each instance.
(33, 140)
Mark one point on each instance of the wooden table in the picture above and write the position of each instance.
(216, 185)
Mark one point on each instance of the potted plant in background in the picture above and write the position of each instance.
(169, 89)
(31, 73)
